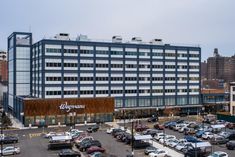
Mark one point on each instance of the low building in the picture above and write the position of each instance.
(232, 98)
(215, 100)
(67, 111)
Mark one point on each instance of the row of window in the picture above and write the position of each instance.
(119, 78)
(75, 51)
(120, 66)
(74, 92)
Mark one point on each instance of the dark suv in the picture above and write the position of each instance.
(93, 129)
(85, 146)
(9, 139)
(231, 145)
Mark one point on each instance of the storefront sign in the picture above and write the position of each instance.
(67, 107)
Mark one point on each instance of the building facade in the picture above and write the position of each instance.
(219, 67)
(232, 98)
(19, 71)
(137, 75)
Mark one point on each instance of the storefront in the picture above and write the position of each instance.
(44, 112)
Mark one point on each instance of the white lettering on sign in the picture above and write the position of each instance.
(67, 107)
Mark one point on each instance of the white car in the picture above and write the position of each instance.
(167, 137)
(158, 136)
(158, 153)
(182, 140)
(173, 143)
(10, 150)
(179, 126)
(207, 135)
(109, 131)
(181, 146)
(182, 129)
(50, 134)
(218, 154)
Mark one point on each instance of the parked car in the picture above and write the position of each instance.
(231, 136)
(158, 153)
(224, 134)
(139, 144)
(182, 129)
(178, 126)
(109, 131)
(150, 149)
(93, 129)
(96, 154)
(85, 146)
(151, 132)
(158, 136)
(194, 152)
(218, 154)
(10, 150)
(9, 139)
(140, 128)
(167, 137)
(218, 140)
(69, 153)
(189, 131)
(172, 125)
(158, 126)
(93, 149)
(230, 125)
(230, 145)
(152, 119)
(207, 135)
(83, 140)
(199, 133)
(182, 146)
(191, 139)
(173, 143)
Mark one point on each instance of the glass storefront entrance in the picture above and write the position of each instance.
(68, 119)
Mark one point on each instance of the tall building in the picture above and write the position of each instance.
(136, 74)
(219, 67)
(19, 56)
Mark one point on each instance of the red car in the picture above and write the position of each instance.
(230, 125)
(95, 149)
(140, 128)
(158, 126)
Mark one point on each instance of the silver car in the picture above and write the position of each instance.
(10, 150)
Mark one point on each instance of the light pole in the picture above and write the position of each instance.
(3, 114)
(22, 117)
(132, 138)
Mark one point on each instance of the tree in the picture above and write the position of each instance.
(6, 121)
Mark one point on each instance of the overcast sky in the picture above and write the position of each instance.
(209, 23)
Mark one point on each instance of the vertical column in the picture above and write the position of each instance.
(78, 72)
(163, 79)
(176, 77)
(123, 77)
(43, 71)
(151, 76)
(138, 78)
(62, 71)
(94, 71)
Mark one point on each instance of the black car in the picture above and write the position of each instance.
(60, 145)
(85, 146)
(152, 119)
(69, 153)
(93, 129)
(83, 142)
(195, 152)
(231, 145)
(231, 136)
(9, 139)
(139, 144)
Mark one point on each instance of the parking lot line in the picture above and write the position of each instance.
(35, 135)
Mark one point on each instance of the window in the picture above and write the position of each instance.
(233, 88)
(86, 52)
(52, 50)
(71, 51)
(233, 97)
(116, 53)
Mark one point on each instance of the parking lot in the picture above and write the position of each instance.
(218, 147)
(32, 143)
